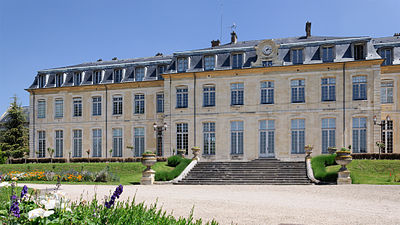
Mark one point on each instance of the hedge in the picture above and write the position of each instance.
(82, 160)
(392, 156)
(179, 167)
(319, 164)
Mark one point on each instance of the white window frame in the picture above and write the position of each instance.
(96, 106)
(322, 53)
(41, 144)
(59, 143)
(97, 142)
(387, 91)
(59, 77)
(209, 138)
(117, 152)
(142, 71)
(209, 59)
(298, 131)
(77, 78)
(77, 107)
(139, 140)
(267, 138)
(237, 137)
(97, 76)
(294, 52)
(182, 136)
(77, 137)
(328, 127)
(58, 108)
(233, 61)
(186, 64)
(41, 106)
(359, 128)
(117, 105)
(266, 91)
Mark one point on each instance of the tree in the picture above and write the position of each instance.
(14, 138)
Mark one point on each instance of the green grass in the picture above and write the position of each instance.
(5, 193)
(129, 173)
(179, 163)
(319, 165)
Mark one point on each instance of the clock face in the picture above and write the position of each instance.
(267, 50)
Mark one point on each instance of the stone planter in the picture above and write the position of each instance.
(181, 152)
(332, 150)
(148, 160)
(308, 149)
(196, 153)
(343, 158)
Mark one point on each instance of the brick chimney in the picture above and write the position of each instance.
(308, 29)
(215, 43)
(396, 35)
(233, 37)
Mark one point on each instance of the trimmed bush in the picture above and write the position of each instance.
(319, 163)
(180, 165)
(82, 160)
(173, 161)
(392, 156)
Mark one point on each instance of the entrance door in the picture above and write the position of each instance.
(267, 139)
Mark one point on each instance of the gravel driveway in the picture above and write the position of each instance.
(262, 204)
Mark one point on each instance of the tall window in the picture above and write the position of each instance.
(59, 108)
(386, 53)
(96, 133)
(387, 91)
(139, 71)
(139, 141)
(42, 144)
(41, 109)
(267, 137)
(209, 62)
(160, 102)
(237, 94)
(77, 107)
(237, 61)
(360, 88)
(298, 136)
(182, 136)
(328, 134)
(59, 79)
(327, 54)
(77, 78)
(42, 81)
(297, 56)
(77, 139)
(297, 91)
(117, 142)
(328, 89)
(209, 138)
(118, 76)
(139, 104)
(96, 106)
(236, 137)
(182, 64)
(359, 135)
(181, 97)
(97, 77)
(117, 105)
(267, 92)
(359, 52)
(59, 143)
(387, 136)
(208, 95)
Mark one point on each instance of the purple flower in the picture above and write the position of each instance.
(116, 194)
(14, 209)
(24, 191)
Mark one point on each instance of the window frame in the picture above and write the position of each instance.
(206, 66)
(41, 109)
(185, 65)
(97, 76)
(327, 59)
(42, 80)
(356, 57)
(58, 143)
(77, 78)
(387, 135)
(383, 51)
(235, 63)
(96, 106)
(296, 97)
(298, 135)
(77, 144)
(328, 86)
(139, 103)
(142, 71)
(41, 144)
(59, 77)
(182, 97)
(160, 102)
(266, 131)
(294, 52)
(329, 128)
(97, 136)
(117, 105)
(386, 98)
(237, 93)
(182, 136)
(360, 86)
(209, 92)
(209, 138)
(117, 140)
(237, 137)
(57, 113)
(77, 107)
(139, 140)
(357, 131)
(267, 92)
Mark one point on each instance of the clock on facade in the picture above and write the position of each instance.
(267, 50)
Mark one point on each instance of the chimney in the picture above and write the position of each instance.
(159, 54)
(115, 58)
(99, 60)
(396, 35)
(215, 43)
(233, 37)
(308, 29)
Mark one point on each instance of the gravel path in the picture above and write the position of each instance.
(262, 204)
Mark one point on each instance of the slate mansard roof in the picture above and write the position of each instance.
(311, 45)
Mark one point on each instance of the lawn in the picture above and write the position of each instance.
(129, 173)
(372, 171)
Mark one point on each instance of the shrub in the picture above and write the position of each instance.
(319, 164)
(170, 175)
(375, 156)
(173, 161)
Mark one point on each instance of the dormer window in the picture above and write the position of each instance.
(42, 81)
(183, 64)
(77, 78)
(97, 77)
(237, 61)
(59, 79)
(117, 76)
(139, 71)
(209, 62)
(359, 51)
(327, 54)
(161, 70)
(297, 56)
(386, 53)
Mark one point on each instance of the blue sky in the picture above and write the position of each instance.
(42, 34)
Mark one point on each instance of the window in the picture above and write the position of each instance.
(208, 95)
(237, 96)
(267, 92)
(139, 72)
(182, 97)
(42, 81)
(139, 141)
(237, 61)
(328, 89)
(297, 91)
(96, 142)
(297, 56)
(139, 104)
(77, 139)
(266, 63)
(298, 136)
(236, 137)
(182, 64)
(59, 143)
(42, 144)
(59, 79)
(77, 78)
(267, 138)
(41, 109)
(161, 70)
(209, 138)
(160, 102)
(386, 53)
(96, 106)
(117, 105)
(59, 108)
(97, 77)
(327, 54)
(182, 136)
(387, 91)
(209, 62)
(328, 134)
(359, 135)
(360, 88)
(117, 142)
(387, 135)
(359, 52)
(77, 107)
(118, 76)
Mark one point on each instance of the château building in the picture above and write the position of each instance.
(237, 101)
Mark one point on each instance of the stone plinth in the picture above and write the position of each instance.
(344, 178)
(147, 177)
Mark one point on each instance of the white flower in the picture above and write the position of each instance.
(49, 204)
(39, 212)
(14, 178)
(4, 184)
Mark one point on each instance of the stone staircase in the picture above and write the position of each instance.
(259, 171)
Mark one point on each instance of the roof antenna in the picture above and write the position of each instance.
(233, 27)
(220, 31)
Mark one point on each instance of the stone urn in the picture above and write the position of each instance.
(308, 149)
(332, 150)
(148, 160)
(343, 158)
(181, 152)
(196, 153)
